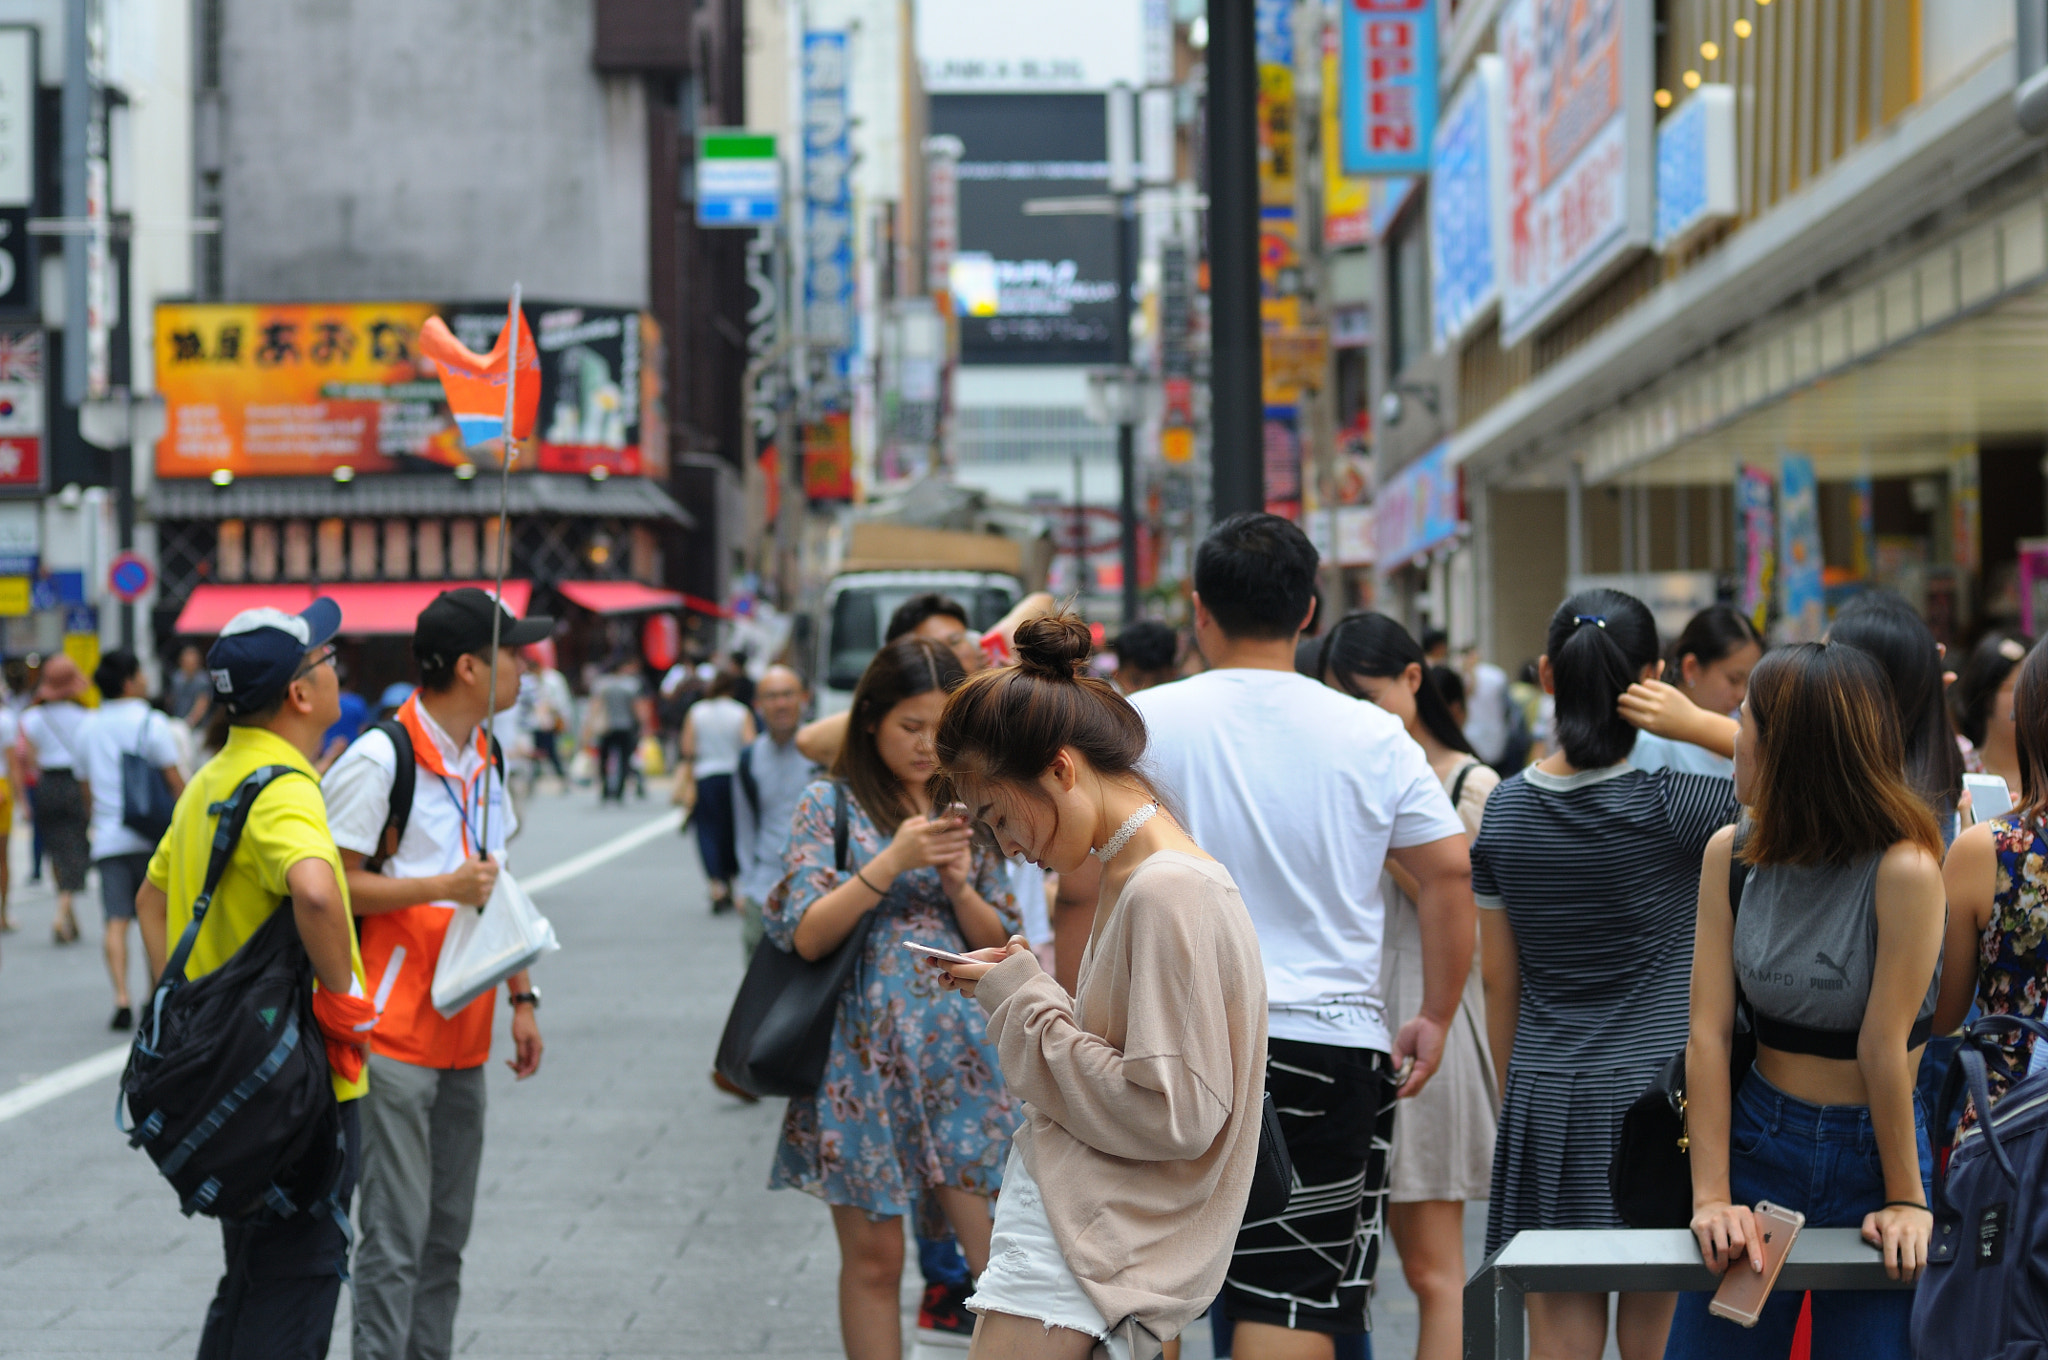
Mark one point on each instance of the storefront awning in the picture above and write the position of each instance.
(619, 597)
(368, 609)
(405, 495)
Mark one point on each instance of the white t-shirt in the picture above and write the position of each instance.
(1300, 791)
(52, 731)
(116, 728)
(717, 726)
(358, 793)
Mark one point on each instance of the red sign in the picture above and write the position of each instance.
(661, 640)
(21, 461)
(129, 577)
(828, 459)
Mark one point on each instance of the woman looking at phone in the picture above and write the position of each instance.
(911, 1099)
(1127, 1183)
(1836, 948)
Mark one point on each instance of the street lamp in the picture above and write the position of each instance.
(1116, 396)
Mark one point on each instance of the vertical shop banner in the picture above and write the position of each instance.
(828, 458)
(1696, 166)
(21, 412)
(1758, 541)
(1388, 79)
(1279, 255)
(1802, 595)
(1464, 227)
(1346, 198)
(1863, 512)
(1421, 506)
(1965, 509)
(1579, 142)
(828, 205)
(18, 254)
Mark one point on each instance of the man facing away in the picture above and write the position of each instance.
(772, 777)
(423, 1128)
(124, 724)
(1303, 793)
(272, 672)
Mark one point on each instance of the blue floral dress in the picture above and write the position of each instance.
(912, 1095)
(2012, 953)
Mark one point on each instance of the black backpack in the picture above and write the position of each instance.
(404, 779)
(227, 1081)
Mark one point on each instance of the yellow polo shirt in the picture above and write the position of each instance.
(288, 823)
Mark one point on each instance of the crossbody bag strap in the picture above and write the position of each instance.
(1464, 773)
(842, 832)
(227, 833)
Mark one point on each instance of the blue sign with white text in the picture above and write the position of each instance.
(1464, 274)
(828, 204)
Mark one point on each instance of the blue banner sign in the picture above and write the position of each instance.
(1696, 183)
(1464, 237)
(1419, 508)
(828, 201)
(1387, 65)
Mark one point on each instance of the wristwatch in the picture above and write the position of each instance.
(531, 997)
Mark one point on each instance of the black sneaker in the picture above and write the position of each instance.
(942, 1316)
(124, 1018)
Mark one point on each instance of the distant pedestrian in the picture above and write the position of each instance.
(190, 695)
(1587, 873)
(1443, 1136)
(1836, 950)
(769, 778)
(1982, 697)
(1304, 794)
(423, 1122)
(911, 1102)
(49, 731)
(124, 724)
(279, 694)
(1883, 624)
(1147, 654)
(1126, 1186)
(615, 697)
(715, 730)
(1709, 668)
(1996, 954)
(554, 711)
(13, 793)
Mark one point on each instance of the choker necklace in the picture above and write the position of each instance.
(1125, 832)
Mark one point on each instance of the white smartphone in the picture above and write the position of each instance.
(1989, 797)
(942, 955)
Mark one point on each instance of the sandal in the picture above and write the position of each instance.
(64, 931)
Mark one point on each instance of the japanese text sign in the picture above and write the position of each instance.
(1389, 85)
(1420, 507)
(828, 199)
(1464, 235)
(1696, 166)
(1578, 188)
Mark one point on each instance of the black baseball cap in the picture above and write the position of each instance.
(260, 650)
(458, 623)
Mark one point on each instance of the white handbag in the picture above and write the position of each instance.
(483, 948)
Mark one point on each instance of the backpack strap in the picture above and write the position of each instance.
(841, 832)
(748, 785)
(227, 833)
(404, 780)
(1464, 773)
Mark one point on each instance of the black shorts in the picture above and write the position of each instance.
(1312, 1268)
(121, 877)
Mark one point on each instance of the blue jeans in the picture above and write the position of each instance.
(1821, 1160)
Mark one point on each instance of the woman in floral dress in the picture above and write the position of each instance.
(912, 1099)
(1996, 952)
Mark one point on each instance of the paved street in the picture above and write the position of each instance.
(621, 1211)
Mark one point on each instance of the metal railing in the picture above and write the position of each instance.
(1602, 1260)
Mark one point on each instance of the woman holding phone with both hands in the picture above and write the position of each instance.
(911, 1100)
(1836, 948)
(1128, 1181)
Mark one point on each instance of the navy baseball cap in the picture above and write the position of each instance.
(260, 650)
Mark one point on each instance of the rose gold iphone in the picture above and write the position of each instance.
(1743, 1291)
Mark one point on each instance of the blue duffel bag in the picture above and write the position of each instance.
(1985, 1293)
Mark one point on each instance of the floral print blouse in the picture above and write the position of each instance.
(912, 1095)
(2012, 954)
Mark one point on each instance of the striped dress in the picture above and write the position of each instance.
(1599, 875)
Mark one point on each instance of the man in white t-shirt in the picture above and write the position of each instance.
(1304, 793)
(123, 724)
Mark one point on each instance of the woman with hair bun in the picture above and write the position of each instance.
(1587, 872)
(1127, 1183)
(910, 1103)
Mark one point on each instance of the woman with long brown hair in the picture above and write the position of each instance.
(911, 1102)
(1836, 947)
(1128, 1181)
(1997, 950)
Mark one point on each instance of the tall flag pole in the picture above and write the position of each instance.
(512, 328)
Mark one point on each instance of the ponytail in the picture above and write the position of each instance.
(1600, 642)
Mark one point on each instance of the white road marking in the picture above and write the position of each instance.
(79, 1075)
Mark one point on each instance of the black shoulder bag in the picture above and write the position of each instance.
(1650, 1176)
(778, 1035)
(146, 799)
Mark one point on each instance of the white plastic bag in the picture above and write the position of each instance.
(483, 948)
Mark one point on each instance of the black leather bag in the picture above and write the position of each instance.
(1273, 1173)
(1650, 1176)
(146, 799)
(778, 1035)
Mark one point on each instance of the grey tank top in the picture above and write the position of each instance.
(1806, 944)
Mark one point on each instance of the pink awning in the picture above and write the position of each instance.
(619, 597)
(368, 608)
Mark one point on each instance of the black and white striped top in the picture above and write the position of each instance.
(1599, 875)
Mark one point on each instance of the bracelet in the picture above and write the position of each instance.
(1906, 1204)
(879, 892)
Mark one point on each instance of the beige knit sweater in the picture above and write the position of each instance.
(1143, 1094)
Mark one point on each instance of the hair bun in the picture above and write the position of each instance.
(1055, 646)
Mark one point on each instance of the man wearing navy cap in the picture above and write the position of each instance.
(273, 673)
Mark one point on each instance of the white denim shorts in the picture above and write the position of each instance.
(1027, 1276)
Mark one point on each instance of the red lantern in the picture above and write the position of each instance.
(661, 641)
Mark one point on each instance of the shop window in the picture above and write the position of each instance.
(263, 550)
(331, 549)
(462, 549)
(1407, 291)
(230, 553)
(1351, 387)
(362, 550)
(298, 550)
(429, 562)
(397, 550)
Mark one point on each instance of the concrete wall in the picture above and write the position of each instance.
(386, 148)
(1528, 569)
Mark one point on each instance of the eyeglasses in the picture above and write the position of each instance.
(313, 663)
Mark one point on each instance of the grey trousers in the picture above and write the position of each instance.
(423, 1139)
